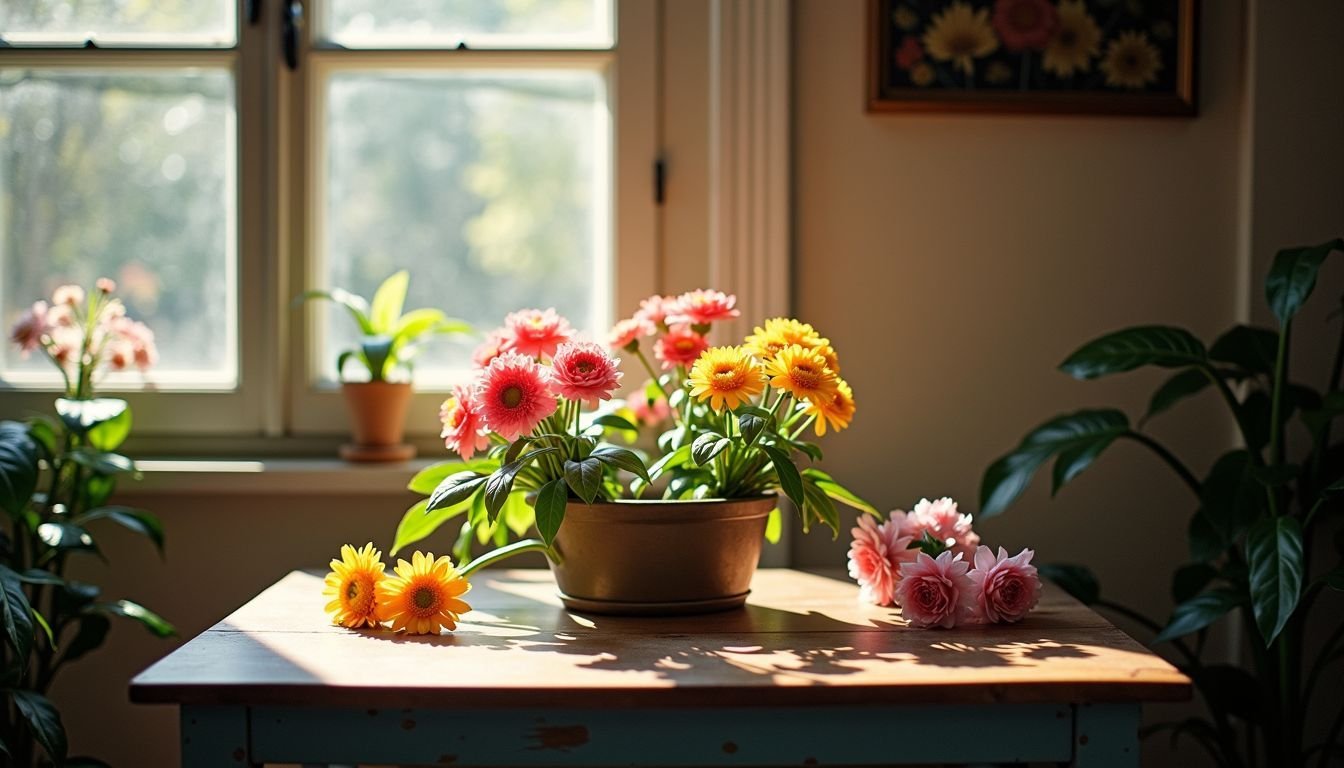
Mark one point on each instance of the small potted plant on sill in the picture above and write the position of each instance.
(386, 354)
(684, 534)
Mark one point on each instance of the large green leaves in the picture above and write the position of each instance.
(79, 416)
(388, 301)
(137, 520)
(838, 492)
(419, 521)
(1250, 349)
(455, 488)
(500, 484)
(356, 305)
(44, 721)
(708, 445)
(1159, 345)
(1175, 389)
(1198, 612)
(1293, 276)
(426, 480)
(1230, 498)
(789, 478)
(18, 615)
(1274, 554)
(550, 509)
(150, 620)
(18, 467)
(620, 458)
(1077, 438)
(584, 478)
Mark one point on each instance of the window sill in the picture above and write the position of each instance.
(272, 476)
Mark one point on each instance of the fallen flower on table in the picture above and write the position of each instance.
(423, 596)
(936, 592)
(1006, 588)
(352, 584)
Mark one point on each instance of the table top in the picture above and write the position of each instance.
(803, 639)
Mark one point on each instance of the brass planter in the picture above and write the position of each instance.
(659, 557)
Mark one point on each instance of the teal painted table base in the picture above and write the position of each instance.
(1088, 736)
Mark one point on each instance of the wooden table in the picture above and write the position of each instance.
(804, 675)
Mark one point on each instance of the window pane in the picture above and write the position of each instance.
(207, 23)
(492, 188)
(129, 175)
(477, 23)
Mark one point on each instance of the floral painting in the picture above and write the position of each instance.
(1125, 56)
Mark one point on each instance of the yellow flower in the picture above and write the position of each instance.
(960, 35)
(921, 74)
(801, 372)
(352, 583)
(780, 332)
(905, 18)
(1131, 61)
(1074, 43)
(727, 376)
(423, 596)
(838, 412)
(828, 354)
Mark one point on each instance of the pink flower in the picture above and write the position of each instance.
(66, 346)
(943, 522)
(535, 332)
(463, 429)
(133, 340)
(489, 349)
(31, 327)
(1006, 588)
(875, 558)
(655, 310)
(936, 592)
(69, 295)
(514, 395)
(106, 285)
(627, 333)
(679, 346)
(649, 411)
(1024, 24)
(702, 307)
(583, 371)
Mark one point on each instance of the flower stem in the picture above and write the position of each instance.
(504, 553)
(1185, 474)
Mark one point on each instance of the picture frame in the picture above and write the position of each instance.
(1118, 57)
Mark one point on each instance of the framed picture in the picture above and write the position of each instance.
(1066, 56)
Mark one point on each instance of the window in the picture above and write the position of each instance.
(489, 147)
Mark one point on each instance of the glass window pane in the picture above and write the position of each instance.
(129, 175)
(204, 23)
(492, 188)
(475, 23)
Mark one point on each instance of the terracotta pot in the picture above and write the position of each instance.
(659, 557)
(378, 420)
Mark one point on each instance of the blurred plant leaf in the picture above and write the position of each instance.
(18, 468)
(388, 301)
(1125, 350)
(44, 722)
(1198, 612)
(1078, 438)
(1292, 277)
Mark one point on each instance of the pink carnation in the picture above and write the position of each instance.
(489, 349)
(1006, 588)
(584, 372)
(514, 395)
(31, 327)
(679, 346)
(627, 333)
(943, 522)
(936, 592)
(702, 307)
(875, 558)
(536, 332)
(463, 429)
(69, 295)
(655, 310)
(649, 411)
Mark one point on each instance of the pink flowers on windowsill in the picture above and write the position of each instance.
(965, 583)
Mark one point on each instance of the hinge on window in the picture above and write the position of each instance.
(659, 180)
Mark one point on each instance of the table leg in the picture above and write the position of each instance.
(1106, 735)
(215, 737)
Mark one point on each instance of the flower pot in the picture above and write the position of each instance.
(378, 420)
(659, 557)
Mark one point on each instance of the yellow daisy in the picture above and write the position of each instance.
(960, 35)
(423, 596)
(352, 584)
(780, 332)
(1074, 42)
(828, 354)
(905, 18)
(1131, 61)
(922, 74)
(801, 372)
(837, 413)
(727, 376)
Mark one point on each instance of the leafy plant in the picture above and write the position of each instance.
(389, 338)
(56, 479)
(1256, 512)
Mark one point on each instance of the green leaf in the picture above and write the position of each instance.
(930, 546)
(419, 322)
(44, 722)
(1274, 554)
(550, 509)
(584, 478)
(821, 506)
(774, 526)
(419, 522)
(18, 616)
(752, 421)
(515, 449)
(110, 434)
(66, 537)
(1177, 388)
(92, 632)
(102, 463)
(388, 301)
(1077, 437)
(455, 489)
(1077, 580)
(137, 520)
(1125, 350)
(43, 431)
(479, 517)
(1293, 276)
(356, 305)
(620, 458)
(612, 421)
(1197, 613)
(426, 480)
(500, 484)
(673, 440)
(1189, 580)
(151, 621)
(1250, 349)
(98, 489)
(46, 627)
(1230, 499)
(39, 576)
(707, 446)
(838, 492)
(672, 460)
(80, 416)
(517, 514)
(1205, 541)
(789, 478)
(18, 468)
(377, 352)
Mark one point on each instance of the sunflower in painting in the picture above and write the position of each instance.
(961, 35)
(1074, 43)
(1131, 61)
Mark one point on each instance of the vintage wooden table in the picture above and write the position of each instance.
(804, 675)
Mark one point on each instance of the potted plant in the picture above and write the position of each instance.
(680, 534)
(1257, 512)
(377, 398)
(56, 477)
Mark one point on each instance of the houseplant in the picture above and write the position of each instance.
(1258, 510)
(56, 476)
(684, 534)
(385, 354)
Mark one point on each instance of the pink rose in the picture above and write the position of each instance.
(875, 558)
(943, 522)
(1006, 588)
(936, 592)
